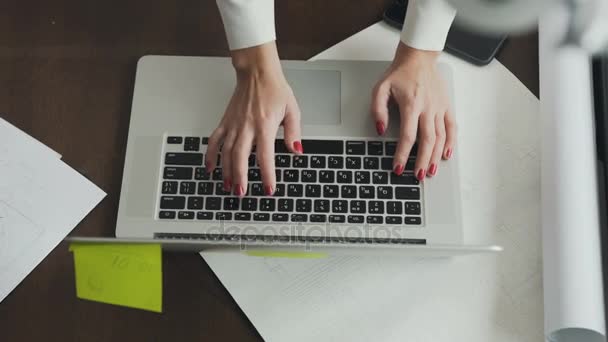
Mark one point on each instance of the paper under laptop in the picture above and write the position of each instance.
(41, 201)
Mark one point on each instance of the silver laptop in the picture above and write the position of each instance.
(339, 197)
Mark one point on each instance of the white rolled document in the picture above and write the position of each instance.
(572, 266)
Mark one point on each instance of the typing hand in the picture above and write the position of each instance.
(414, 83)
(262, 100)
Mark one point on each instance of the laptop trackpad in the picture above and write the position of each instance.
(318, 94)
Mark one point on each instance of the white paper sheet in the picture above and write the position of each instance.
(475, 298)
(574, 301)
(41, 201)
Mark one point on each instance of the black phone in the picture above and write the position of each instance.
(472, 47)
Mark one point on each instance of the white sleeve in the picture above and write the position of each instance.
(247, 22)
(427, 23)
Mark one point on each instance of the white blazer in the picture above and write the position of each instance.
(251, 22)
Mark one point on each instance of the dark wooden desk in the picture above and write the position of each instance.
(66, 77)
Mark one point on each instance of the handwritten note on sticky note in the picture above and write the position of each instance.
(120, 274)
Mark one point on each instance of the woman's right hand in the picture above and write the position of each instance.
(261, 102)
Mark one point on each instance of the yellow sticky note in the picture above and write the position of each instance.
(286, 254)
(121, 274)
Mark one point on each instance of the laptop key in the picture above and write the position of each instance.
(279, 191)
(261, 217)
(219, 190)
(404, 179)
(348, 191)
(323, 146)
(267, 204)
(303, 205)
(366, 191)
(339, 206)
(231, 203)
(385, 192)
(380, 177)
(205, 188)
(205, 141)
(221, 216)
(185, 215)
(291, 176)
(282, 160)
(309, 176)
(253, 175)
(187, 188)
(355, 218)
(251, 160)
(257, 189)
(313, 190)
(192, 144)
(374, 219)
(242, 216)
(299, 218)
(412, 208)
(321, 206)
(277, 175)
(204, 215)
(394, 220)
(177, 173)
(300, 162)
(375, 148)
(376, 207)
(172, 202)
(355, 147)
(200, 173)
(249, 204)
(295, 190)
(195, 203)
(353, 162)
(390, 148)
(335, 162)
(217, 174)
(174, 140)
(280, 217)
(330, 191)
(394, 208)
(345, 177)
(409, 165)
(358, 207)
(318, 218)
(362, 177)
(169, 187)
(194, 159)
(386, 164)
(317, 162)
(326, 176)
(407, 193)
(413, 220)
(371, 163)
(166, 215)
(337, 218)
(286, 205)
(213, 203)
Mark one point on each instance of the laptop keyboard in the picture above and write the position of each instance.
(342, 181)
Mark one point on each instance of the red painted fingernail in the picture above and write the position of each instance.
(239, 190)
(432, 170)
(420, 175)
(380, 127)
(227, 185)
(398, 170)
(298, 147)
(268, 190)
(448, 154)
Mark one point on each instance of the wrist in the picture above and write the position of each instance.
(256, 60)
(407, 54)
